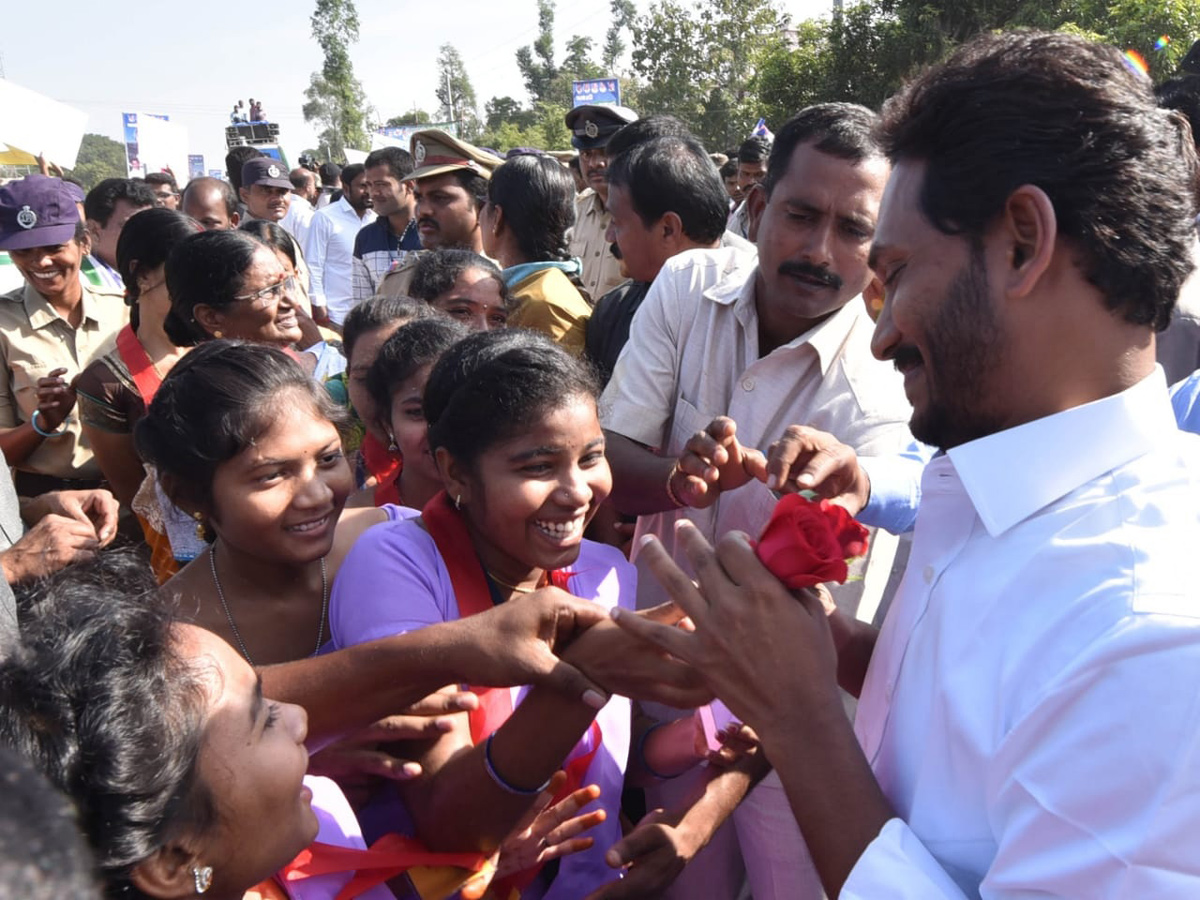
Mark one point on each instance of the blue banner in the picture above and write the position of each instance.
(132, 162)
(195, 165)
(598, 90)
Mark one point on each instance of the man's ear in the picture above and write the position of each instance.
(670, 229)
(93, 229)
(1030, 229)
(167, 873)
(235, 220)
(244, 193)
(756, 202)
(873, 295)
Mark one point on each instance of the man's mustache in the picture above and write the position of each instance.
(808, 270)
(426, 220)
(905, 357)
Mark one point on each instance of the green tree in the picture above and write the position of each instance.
(700, 63)
(335, 100)
(536, 62)
(415, 117)
(99, 157)
(456, 94)
(501, 110)
(623, 14)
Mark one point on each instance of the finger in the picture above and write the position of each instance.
(568, 680)
(543, 801)
(649, 835)
(671, 640)
(722, 428)
(824, 471)
(665, 613)
(368, 762)
(755, 463)
(567, 847)
(710, 574)
(679, 587)
(442, 703)
(736, 558)
(569, 806)
(56, 373)
(783, 455)
(404, 728)
(574, 826)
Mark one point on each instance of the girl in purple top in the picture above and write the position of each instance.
(514, 433)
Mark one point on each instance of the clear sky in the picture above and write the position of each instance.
(192, 61)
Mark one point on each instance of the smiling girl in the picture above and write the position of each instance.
(514, 433)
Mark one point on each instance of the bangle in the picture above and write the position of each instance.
(501, 782)
(33, 420)
(671, 495)
(641, 753)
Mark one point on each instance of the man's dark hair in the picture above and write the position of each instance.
(1063, 114)
(162, 178)
(398, 160)
(299, 179)
(844, 130)
(1183, 94)
(102, 199)
(643, 130)
(538, 198)
(729, 170)
(754, 149)
(674, 174)
(329, 172)
(475, 185)
(235, 159)
(351, 172)
(42, 852)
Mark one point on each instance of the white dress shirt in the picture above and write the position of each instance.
(330, 255)
(693, 355)
(298, 218)
(1030, 709)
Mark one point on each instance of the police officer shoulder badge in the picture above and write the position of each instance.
(26, 218)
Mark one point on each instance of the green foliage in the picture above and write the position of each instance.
(99, 157)
(335, 100)
(699, 63)
(456, 94)
(415, 117)
(623, 14)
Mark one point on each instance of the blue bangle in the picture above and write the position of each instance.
(33, 420)
(641, 753)
(500, 781)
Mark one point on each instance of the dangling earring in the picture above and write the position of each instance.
(199, 527)
(202, 876)
(458, 501)
(392, 448)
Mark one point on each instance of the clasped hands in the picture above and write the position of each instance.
(714, 461)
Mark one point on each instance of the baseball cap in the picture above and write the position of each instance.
(265, 170)
(436, 152)
(36, 211)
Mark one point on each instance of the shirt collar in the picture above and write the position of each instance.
(1012, 474)
(826, 338)
(41, 313)
(514, 275)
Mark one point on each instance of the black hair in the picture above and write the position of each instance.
(674, 174)
(409, 348)
(101, 200)
(844, 130)
(1064, 114)
(377, 312)
(642, 130)
(42, 852)
(145, 243)
(299, 178)
(474, 184)
(754, 149)
(729, 169)
(330, 172)
(216, 402)
(493, 385)
(398, 160)
(207, 268)
(228, 197)
(437, 271)
(97, 696)
(350, 172)
(573, 164)
(538, 198)
(162, 178)
(1183, 94)
(272, 234)
(235, 159)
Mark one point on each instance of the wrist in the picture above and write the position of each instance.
(44, 427)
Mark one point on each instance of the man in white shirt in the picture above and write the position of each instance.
(330, 247)
(1027, 724)
(300, 210)
(765, 342)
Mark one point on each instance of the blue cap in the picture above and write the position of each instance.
(265, 170)
(36, 211)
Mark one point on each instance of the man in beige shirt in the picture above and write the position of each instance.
(591, 128)
(50, 330)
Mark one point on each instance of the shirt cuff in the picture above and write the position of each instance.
(895, 492)
(896, 865)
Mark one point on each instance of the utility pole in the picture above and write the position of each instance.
(449, 97)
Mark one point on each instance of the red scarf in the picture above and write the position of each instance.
(383, 467)
(446, 526)
(139, 364)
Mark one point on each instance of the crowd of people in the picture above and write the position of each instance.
(389, 530)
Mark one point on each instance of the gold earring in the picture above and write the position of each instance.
(200, 536)
(218, 335)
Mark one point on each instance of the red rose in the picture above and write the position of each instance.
(806, 543)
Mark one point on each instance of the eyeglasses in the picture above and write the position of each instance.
(271, 293)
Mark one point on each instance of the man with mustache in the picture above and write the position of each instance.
(723, 338)
(592, 127)
(450, 187)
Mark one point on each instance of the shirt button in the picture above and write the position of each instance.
(748, 384)
(928, 573)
